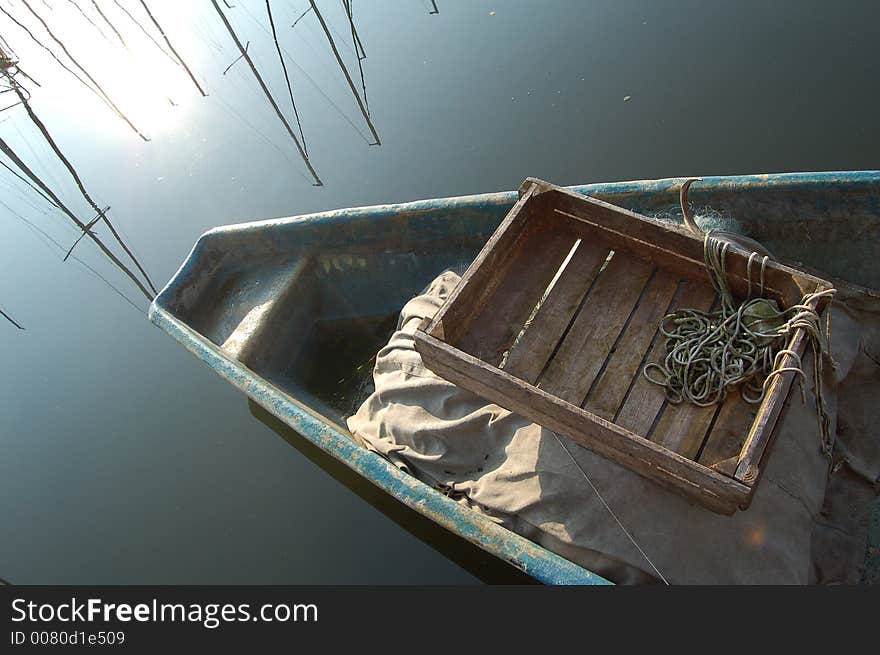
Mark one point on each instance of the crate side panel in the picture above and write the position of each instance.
(718, 493)
(790, 283)
(761, 432)
(484, 274)
(528, 272)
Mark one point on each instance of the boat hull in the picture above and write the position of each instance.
(266, 304)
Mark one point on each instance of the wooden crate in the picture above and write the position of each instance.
(557, 316)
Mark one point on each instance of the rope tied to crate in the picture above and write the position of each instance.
(742, 344)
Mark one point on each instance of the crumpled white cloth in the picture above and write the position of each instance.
(802, 526)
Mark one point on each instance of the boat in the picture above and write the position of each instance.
(291, 310)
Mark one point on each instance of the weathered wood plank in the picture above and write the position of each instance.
(791, 283)
(683, 427)
(484, 273)
(726, 466)
(528, 357)
(749, 466)
(730, 430)
(594, 331)
(719, 493)
(530, 269)
(625, 362)
(687, 267)
(645, 400)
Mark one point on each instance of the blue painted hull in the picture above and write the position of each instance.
(250, 299)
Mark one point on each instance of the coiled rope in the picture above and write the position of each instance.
(741, 344)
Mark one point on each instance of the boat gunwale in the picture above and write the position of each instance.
(642, 188)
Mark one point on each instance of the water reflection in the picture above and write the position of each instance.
(139, 90)
(10, 72)
(11, 320)
(176, 56)
(109, 24)
(286, 76)
(361, 102)
(269, 97)
(92, 84)
(478, 562)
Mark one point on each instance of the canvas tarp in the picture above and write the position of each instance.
(806, 524)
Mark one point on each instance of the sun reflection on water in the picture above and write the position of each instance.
(125, 60)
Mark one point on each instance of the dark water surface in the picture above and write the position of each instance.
(124, 460)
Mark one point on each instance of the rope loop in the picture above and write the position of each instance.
(741, 344)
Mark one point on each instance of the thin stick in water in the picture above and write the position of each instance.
(301, 16)
(286, 77)
(147, 33)
(5, 44)
(9, 152)
(84, 71)
(237, 59)
(55, 57)
(26, 76)
(28, 182)
(70, 169)
(357, 44)
(345, 72)
(87, 229)
(11, 320)
(171, 47)
(112, 26)
(49, 238)
(266, 92)
(89, 19)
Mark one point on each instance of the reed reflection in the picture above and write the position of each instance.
(111, 49)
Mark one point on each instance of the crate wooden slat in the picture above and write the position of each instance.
(645, 401)
(558, 315)
(527, 359)
(628, 359)
(571, 372)
(729, 432)
(683, 428)
(534, 263)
